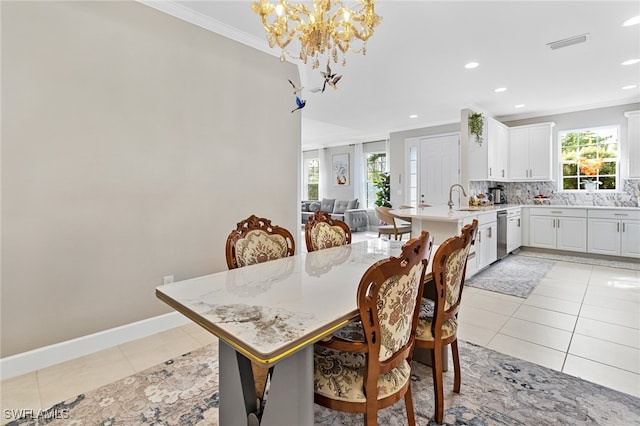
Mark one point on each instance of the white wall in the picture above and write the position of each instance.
(132, 144)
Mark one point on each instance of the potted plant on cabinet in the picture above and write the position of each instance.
(476, 126)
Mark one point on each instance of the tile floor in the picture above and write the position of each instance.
(582, 320)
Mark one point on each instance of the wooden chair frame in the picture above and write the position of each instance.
(383, 214)
(253, 223)
(440, 316)
(319, 217)
(414, 251)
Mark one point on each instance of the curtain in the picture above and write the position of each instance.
(359, 175)
(324, 165)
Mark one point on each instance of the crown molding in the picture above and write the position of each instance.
(196, 18)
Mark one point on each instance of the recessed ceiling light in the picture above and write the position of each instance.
(413, 116)
(633, 21)
(500, 89)
(631, 86)
(471, 65)
(519, 106)
(630, 62)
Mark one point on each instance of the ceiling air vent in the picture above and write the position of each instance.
(568, 41)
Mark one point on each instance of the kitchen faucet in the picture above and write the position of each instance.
(450, 203)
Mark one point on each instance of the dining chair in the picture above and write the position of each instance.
(391, 227)
(321, 232)
(438, 321)
(256, 240)
(365, 376)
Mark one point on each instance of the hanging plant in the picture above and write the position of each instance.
(476, 126)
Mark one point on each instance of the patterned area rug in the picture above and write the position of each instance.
(496, 390)
(513, 275)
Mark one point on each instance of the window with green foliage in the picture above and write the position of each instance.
(376, 164)
(589, 155)
(312, 178)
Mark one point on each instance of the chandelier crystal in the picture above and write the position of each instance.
(328, 27)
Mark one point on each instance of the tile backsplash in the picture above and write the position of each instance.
(524, 193)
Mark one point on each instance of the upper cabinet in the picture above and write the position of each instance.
(489, 161)
(530, 152)
(633, 143)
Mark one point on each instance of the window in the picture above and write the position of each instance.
(376, 163)
(312, 178)
(589, 155)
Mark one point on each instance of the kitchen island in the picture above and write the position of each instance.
(443, 223)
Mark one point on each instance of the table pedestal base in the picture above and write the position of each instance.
(290, 397)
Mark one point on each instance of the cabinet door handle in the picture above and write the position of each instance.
(558, 223)
(502, 172)
(490, 232)
(553, 223)
(618, 227)
(623, 227)
(518, 223)
(620, 214)
(555, 212)
(490, 171)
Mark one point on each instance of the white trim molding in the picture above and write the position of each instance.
(47, 356)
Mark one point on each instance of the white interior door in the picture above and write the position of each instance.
(439, 168)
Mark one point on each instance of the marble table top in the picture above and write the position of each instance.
(269, 310)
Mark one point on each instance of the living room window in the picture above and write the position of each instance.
(311, 178)
(376, 163)
(589, 159)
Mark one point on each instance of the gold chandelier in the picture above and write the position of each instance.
(327, 27)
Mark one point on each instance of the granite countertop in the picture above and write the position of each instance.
(443, 213)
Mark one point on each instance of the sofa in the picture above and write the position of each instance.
(344, 210)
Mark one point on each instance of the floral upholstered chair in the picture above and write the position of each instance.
(255, 240)
(321, 232)
(362, 377)
(438, 322)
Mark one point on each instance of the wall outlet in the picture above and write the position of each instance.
(168, 279)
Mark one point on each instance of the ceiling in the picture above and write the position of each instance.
(415, 63)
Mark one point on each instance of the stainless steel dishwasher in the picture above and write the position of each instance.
(502, 234)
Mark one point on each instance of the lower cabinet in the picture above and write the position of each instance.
(559, 229)
(614, 233)
(514, 230)
(487, 240)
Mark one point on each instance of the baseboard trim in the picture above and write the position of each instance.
(47, 356)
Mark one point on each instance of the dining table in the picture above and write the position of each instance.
(271, 313)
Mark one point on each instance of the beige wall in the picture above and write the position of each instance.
(132, 143)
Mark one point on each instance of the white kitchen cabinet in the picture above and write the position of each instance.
(614, 232)
(633, 142)
(529, 151)
(514, 230)
(487, 240)
(557, 228)
(489, 161)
